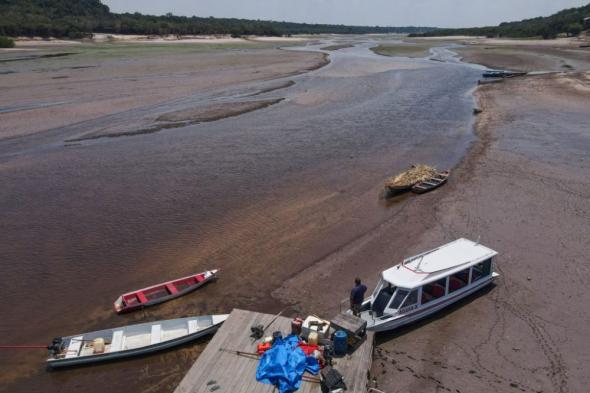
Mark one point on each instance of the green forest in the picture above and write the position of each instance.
(80, 18)
(569, 21)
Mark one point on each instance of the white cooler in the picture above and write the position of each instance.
(322, 330)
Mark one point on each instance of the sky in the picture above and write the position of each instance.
(437, 13)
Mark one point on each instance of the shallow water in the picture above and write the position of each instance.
(261, 196)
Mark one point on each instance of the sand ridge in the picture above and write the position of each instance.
(40, 93)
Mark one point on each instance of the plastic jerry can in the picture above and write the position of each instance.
(296, 326)
(340, 343)
(263, 348)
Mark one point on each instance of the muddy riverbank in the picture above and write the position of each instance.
(528, 55)
(523, 189)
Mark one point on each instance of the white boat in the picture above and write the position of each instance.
(428, 282)
(128, 341)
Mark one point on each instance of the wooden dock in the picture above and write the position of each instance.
(237, 374)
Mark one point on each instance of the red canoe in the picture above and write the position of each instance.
(162, 292)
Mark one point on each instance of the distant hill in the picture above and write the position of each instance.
(78, 18)
(569, 21)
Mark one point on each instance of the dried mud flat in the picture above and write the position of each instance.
(214, 112)
(534, 56)
(43, 88)
(525, 189)
(181, 118)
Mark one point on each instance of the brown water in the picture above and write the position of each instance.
(261, 196)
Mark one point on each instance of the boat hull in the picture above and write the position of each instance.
(145, 350)
(121, 308)
(390, 192)
(422, 187)
(424, 312)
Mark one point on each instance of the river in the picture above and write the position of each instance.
(260, 196)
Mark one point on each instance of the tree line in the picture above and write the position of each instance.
(80, 18)
(569, 21)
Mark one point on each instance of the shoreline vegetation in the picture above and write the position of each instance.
(6, 42)
(568, 22)
(76, 19)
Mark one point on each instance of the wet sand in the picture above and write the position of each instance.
(524, 190)
(60, 86)
(528, 55)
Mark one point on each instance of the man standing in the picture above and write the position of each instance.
(356, 296)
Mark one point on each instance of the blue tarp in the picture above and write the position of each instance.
(284, 364)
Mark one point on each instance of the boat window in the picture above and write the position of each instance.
(412, 298)
(382, 299)
(481, 270)
(434, 290)
(399, 297)
(458, 280)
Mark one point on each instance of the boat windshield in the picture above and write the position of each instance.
(378, 288)
(382, 299)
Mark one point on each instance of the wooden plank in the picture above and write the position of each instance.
(218, 363)
(232, 370)
(253, 385)
(171, 288)
(350, 323)
(247, 372)
(237, 374)
(74, 347)
(117, 341)
(156, 334)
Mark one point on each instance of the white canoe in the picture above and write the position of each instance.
(129, 341)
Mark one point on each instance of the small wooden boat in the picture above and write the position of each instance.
(431, 183)
(428, 282)
(405, 180)
(490, 81)
(162, 292)
(502, 74)
(493, 74)
(129, 341)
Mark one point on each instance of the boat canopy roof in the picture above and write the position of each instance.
(438, 263)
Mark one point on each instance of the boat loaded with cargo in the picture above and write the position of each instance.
(428, 282)
(162, 292)
(419, 178)
(129, 341)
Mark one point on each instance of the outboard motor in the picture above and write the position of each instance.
(56, 346)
